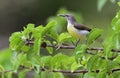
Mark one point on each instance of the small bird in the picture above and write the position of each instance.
(75, 29)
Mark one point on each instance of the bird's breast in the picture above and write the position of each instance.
(77, 33)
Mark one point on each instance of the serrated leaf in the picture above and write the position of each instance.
(64, 37)
(93, 35)
(79, 52)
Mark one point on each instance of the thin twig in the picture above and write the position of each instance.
(69, 47)
(73, 47)
(62, 71)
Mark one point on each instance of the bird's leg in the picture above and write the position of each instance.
(73, 43)
(77, 42)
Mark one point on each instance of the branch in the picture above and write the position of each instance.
(62, 71)
(73, 47)
(30, 42)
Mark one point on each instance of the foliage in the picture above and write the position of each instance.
(26, 52)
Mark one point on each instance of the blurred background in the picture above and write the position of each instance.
(15, 14)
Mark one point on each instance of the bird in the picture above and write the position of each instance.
(77, 30)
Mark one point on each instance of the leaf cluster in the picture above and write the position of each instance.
(27, 54)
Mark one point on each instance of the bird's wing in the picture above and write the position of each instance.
(81, 27)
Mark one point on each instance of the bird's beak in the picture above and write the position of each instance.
(63, 15)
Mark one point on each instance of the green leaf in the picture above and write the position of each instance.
(93, 35)
(22, 74)
(50, 49)
(53, 33)
(100, 64)
(37, 68)
(108, 46)
(58, 75)
(116, 22)
(117, 59)
(35, 60)
(18, 60)
(48, 27)
(37, 32)
(37, 46)
(79, 52)
(64, 37)
(25, 48)
(90, 75)
(112, 65)
(91, 64)
(16, 41)
(5, 59)
(46, 61)
(30, 28)
(101, 75)
(59, 60)
(75, 66)
(100, 4)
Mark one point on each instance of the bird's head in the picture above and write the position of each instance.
(69, 17)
